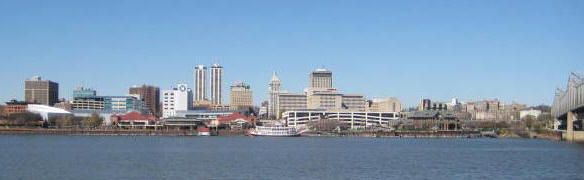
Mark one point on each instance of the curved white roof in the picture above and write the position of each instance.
(37, 108)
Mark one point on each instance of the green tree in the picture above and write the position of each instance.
(92, 121)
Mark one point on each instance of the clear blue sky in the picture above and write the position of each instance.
(512, 50)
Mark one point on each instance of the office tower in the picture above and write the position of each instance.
(216, 82)
(200, 83)
(38, 91)
(321, 79)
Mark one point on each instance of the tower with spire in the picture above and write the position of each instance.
(274, 91)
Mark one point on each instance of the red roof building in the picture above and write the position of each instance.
(236, 116)
(134, 119)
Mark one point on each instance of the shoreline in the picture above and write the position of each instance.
(229, 133)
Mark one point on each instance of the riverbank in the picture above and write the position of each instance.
(549, 135)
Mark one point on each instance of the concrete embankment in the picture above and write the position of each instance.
(97, 132)
(407, 134)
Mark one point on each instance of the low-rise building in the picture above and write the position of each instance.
(15, 107)
(348, 119)
(434, 119)
(47, 112)
(529, 112)
(134, 120)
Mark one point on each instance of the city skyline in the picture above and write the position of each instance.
(473, 50)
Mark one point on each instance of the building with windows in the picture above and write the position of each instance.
(241, 96)
(321, 79)
(200, 86)
(150, 96)
(38, 91)
(385, 105)
(15, 107)
(290, 102)
(347, 119)
(179, 98)
(216, 83)
(274, 91)
(108, 103)
(81, 92)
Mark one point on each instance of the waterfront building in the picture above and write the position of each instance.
(88, 103)
(200, 86)
(179, 98)
(241, 96)
(47, 112)
(15, 107)
(290, 102)
(81, 92)
(274, 91)
(108, 103)
(434, 119)
(150, 96)
(216, 83)
(346, 119)
(529, 112)
(38, 91)
(134, 120)
(385, 105)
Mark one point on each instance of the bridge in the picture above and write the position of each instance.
(569, 106)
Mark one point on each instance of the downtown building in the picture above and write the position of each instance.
(319, 95)
(241, 96)
(204, 82)
(179, 98)
(38, 91)
(200, 87)
(150, 96)
(216, 84)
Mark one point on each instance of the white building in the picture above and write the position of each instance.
(47, 112)
(177, 99)
(529, 112)
(200, 86)
(216, 83)
(349, 119)
(275, 88)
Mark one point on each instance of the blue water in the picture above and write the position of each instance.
(127, 157)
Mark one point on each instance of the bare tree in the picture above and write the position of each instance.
(92, 121)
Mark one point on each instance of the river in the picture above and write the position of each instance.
(159, 157)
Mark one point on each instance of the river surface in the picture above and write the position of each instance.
(156, 157)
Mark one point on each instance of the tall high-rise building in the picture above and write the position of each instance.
(200, 83)
(150, 96)
(241, 95)
(273, 93)
(179, 98)
(321, 79)
(40, 91)
(216, 83)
